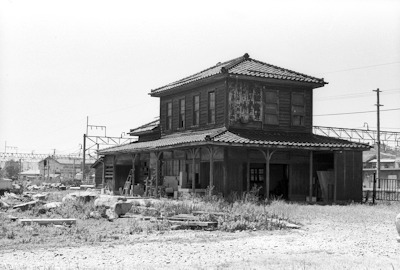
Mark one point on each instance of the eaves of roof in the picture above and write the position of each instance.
(146, 128)
(239, 138)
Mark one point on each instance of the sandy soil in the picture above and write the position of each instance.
(320, 245)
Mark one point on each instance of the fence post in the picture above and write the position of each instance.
(374, 190)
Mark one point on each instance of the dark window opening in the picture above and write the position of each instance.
(211, 107)
(168, 124)
(298, 109)
(181, 113)
(196, 110)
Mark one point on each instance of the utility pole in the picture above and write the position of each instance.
(84, 149)
(84, 157)
(378, 135)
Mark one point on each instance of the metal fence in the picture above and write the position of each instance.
(385, 190)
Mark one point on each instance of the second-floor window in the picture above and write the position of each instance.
(298, 109)
(168, 123)
(211, 107)
(196, 110)
(182, 113)
(271, 108)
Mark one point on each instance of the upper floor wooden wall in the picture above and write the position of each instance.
(241, 104)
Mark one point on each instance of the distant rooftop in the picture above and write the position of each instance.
(146, 128)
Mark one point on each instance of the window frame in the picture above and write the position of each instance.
(168, 115)
(265, 103)
(196, 113)
(294, 113)
(181, 113)
(211, 111)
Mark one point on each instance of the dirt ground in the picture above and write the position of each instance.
(320, 244)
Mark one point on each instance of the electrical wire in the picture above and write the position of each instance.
(361, 94)
(362, 67)
(329, 114)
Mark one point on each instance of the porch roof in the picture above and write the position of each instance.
(238, 138)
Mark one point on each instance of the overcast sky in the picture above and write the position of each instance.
(61, 61)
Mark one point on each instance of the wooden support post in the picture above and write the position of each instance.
(194, 152)
(114, 181)
(335, 167)
(311, 177)
(267, 176)
(225, 172)
(193, 172)
(133, 168)
(267, 155)
(248, 172)
(211, 184)
(103, 176)
(158, 155)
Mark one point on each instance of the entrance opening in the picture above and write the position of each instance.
(279, 180)
(121, 174)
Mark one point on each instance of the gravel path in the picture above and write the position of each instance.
(322, 245)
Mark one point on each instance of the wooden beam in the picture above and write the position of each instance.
(46, 221)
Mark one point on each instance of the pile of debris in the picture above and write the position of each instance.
(45, 186)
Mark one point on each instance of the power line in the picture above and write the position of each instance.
(362, 67)
(329, 114)
(360, 94)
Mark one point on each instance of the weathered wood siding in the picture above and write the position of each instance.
(220, 94)
(348, 173)
(246, 107)
(299, 176)
(235, 170)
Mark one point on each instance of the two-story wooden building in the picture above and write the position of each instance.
(236, 125)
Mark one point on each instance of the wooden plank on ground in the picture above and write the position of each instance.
(183, 217)
(46, 221)
(194, 223)
(210, 213)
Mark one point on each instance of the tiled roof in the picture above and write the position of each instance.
(284, 139)
(243, 66)
(169, 140)
(146, 128)
(236, 137)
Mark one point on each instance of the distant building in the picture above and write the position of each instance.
(389, 169)
(65, 168)
(29, 175)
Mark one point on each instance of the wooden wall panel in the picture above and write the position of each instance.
(243, 106)
(218, 88)
(218, 177)
(298, 181)
(348, 176)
